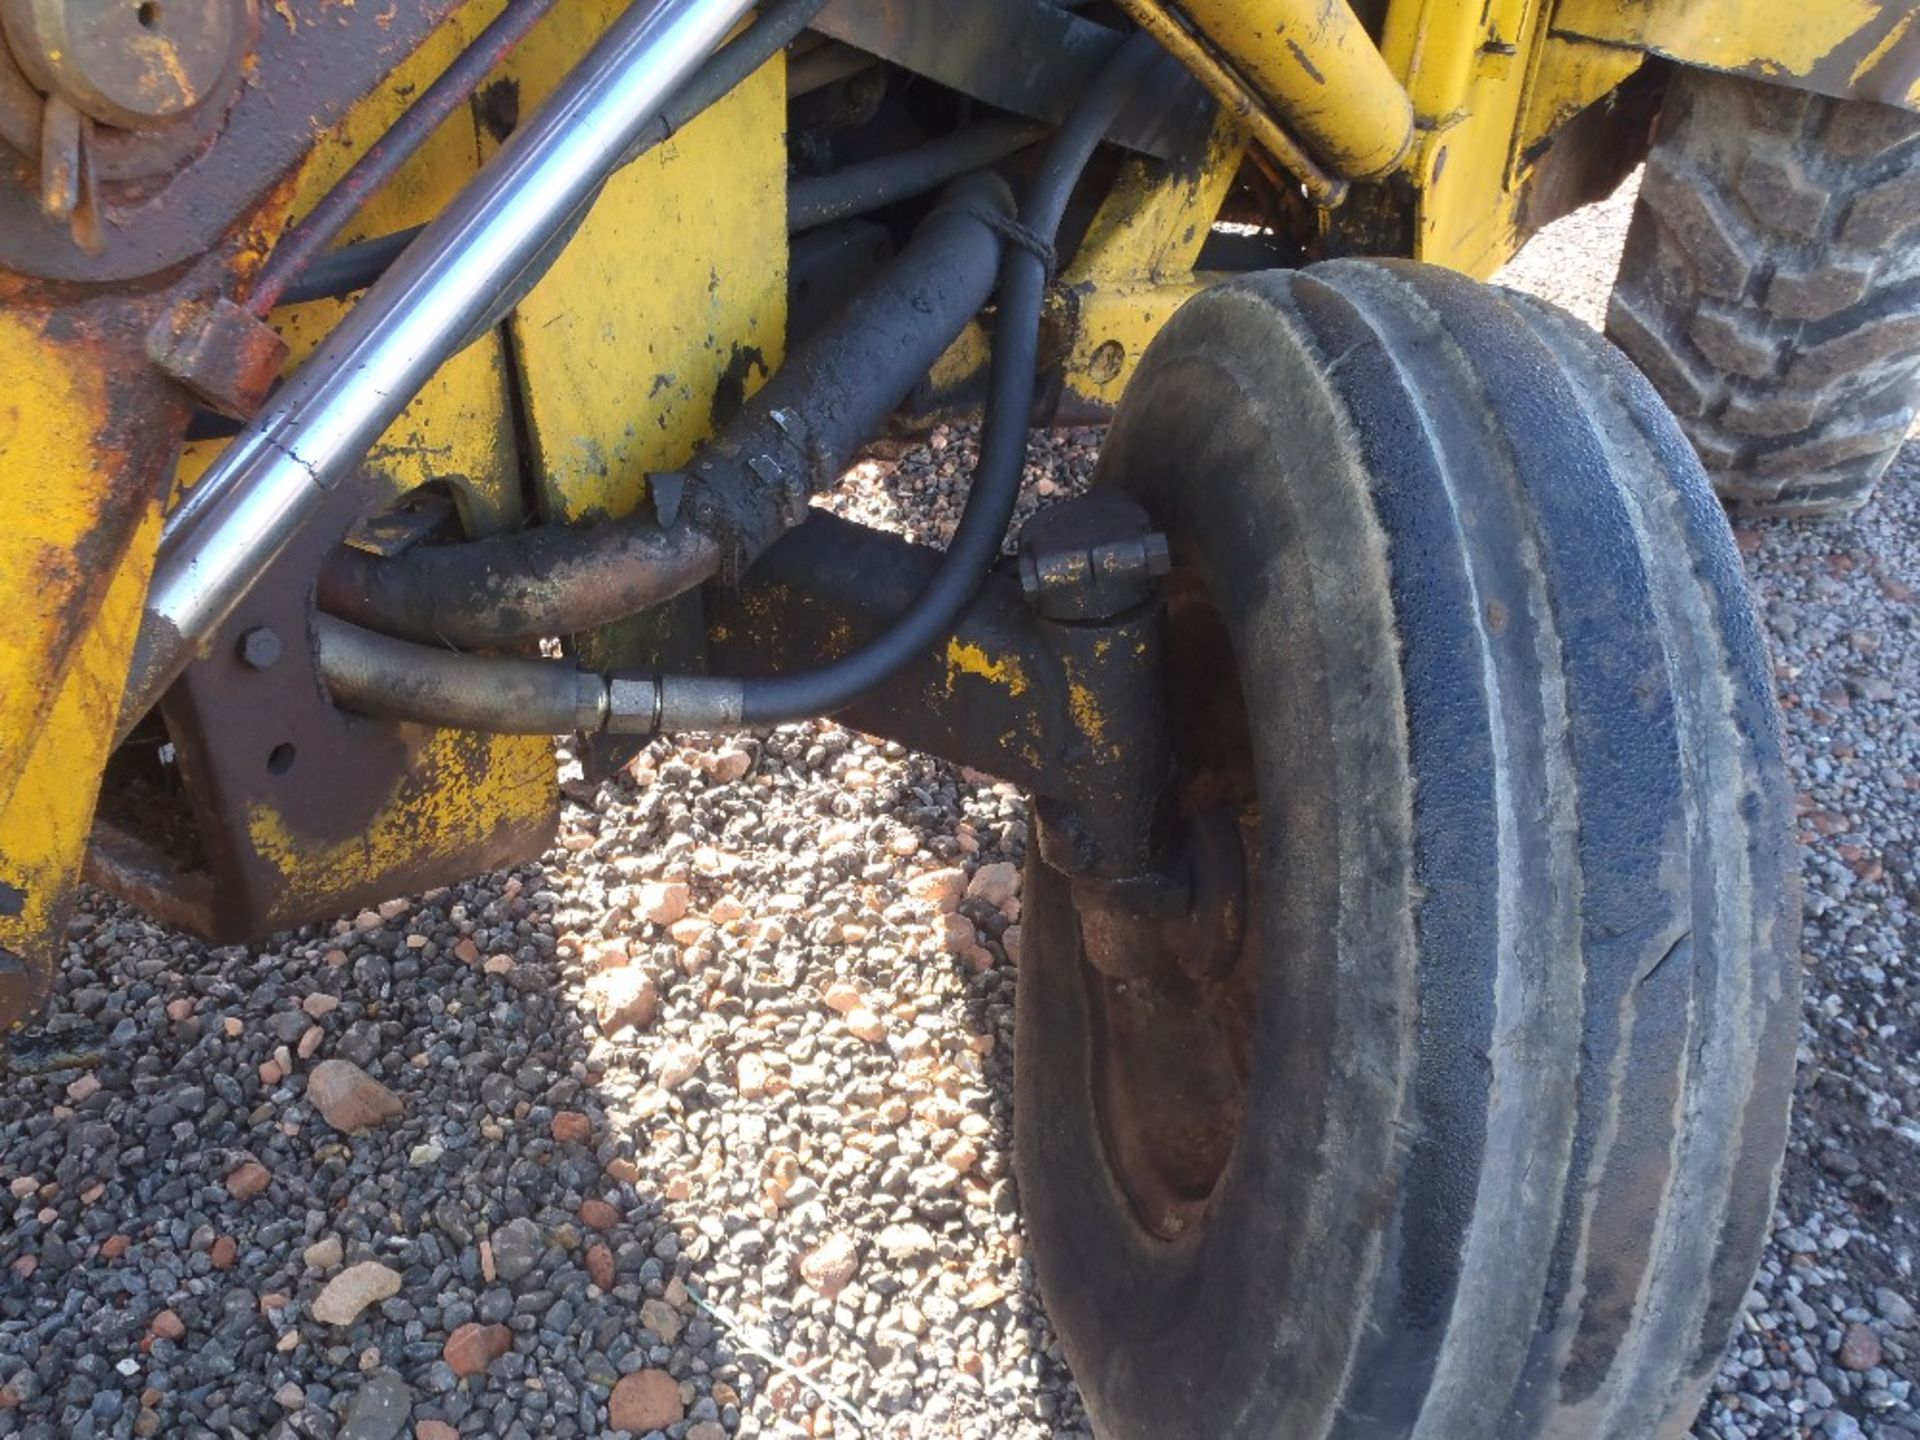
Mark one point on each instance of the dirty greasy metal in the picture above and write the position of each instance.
(1034, 60)
(1090, 560)
(227, 359)
(126, 64)
(301, 812)
(152, 880)
(1173, 985)
(167, 190)
(1068, 711)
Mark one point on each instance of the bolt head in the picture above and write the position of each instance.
(1029, 575)
(260, 648)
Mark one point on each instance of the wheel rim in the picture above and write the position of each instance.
(1173, 1035)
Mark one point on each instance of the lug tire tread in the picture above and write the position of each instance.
(1770, 288)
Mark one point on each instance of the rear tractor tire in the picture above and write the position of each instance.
(1477, 1134)
(1771, 288)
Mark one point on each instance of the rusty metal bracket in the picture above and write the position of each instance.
(171, 177)
(277, 809)
(1069, 709)
(1060, 689)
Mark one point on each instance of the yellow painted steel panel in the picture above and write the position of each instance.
(669, 307)
(62, 444)
(44, 822)
(1135, 264)
(1864, 49)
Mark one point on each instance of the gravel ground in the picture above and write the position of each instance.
(699, 1126)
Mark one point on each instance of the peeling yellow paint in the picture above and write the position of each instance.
(1810, 45)
(1085, 707)
(635, 346)
(461, 785)
(44, 823)
(53, 405)
(967, 659)
(1893, 37)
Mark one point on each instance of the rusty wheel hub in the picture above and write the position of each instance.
(1170, 970)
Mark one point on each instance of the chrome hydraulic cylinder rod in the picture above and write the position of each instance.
(278, 472)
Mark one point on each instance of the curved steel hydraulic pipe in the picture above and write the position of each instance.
(393, 679)
(278, 472)
(832, 396)
(865, 187)
(397, 680)
(551, 580)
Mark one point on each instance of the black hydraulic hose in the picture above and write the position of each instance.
(303, 242)
(832, 396)
(334, 274)
(337, 273)
(1003, 438)
(813, 201)
(392, 679)
(873, 184)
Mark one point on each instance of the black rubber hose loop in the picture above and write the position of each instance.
(1003, 438)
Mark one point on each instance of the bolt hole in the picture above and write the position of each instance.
(280, 759)
(148, 14)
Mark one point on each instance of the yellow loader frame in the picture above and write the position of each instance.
(1443, 130)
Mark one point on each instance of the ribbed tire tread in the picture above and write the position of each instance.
(1529, 950)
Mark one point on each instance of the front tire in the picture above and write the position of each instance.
(1479, 1136)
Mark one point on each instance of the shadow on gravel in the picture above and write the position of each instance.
(193, 1250)
(710, 1113)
